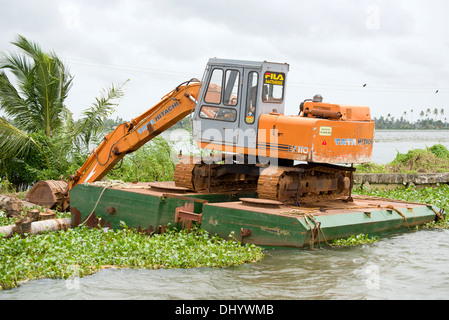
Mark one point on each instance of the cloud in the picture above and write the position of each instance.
(333, 47)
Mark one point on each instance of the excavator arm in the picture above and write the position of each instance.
(130, 136)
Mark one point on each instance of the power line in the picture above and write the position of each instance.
(304, 85)
(135, 69)
(367, 88)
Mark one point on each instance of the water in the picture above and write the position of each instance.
(410, 265)
(388, 142)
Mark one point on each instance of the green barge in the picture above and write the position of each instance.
(154, 207)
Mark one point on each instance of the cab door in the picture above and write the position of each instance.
(249, 109)
(218, 113)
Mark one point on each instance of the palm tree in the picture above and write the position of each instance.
(37, 120)
(435, 112)
(421, 114)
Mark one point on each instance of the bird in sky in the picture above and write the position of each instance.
(436, 92)
(364, 85)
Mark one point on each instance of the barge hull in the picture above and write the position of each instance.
(153, 210)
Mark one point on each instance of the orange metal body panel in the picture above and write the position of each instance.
(318, 140)
(312, 139)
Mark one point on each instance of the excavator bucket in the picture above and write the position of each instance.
(50, 193)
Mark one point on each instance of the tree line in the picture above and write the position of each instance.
(430, 119)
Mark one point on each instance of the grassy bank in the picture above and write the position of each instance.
(430, 160)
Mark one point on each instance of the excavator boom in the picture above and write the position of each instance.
(126, 138)
(130, 136)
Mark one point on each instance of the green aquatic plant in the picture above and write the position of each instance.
(440, 151)
(437, 196)
(82, 251)
(355, 240)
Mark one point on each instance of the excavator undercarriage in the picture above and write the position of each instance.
(289, 185)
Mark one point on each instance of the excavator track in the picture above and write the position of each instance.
(183, 174)
(317, 182)
(203, 177)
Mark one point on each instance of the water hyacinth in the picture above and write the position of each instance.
(85, 251)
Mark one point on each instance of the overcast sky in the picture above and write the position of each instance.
(400, 49)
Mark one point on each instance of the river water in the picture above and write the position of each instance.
(410, 265)
(388, 142)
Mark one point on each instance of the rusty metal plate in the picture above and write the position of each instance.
(256, 202)
(167, 186)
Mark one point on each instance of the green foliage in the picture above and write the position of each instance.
(154, 161)
(438, 196)
(424, 122)
(439, 151)
(433, 159)
(6, 186)
(39, 139)
(355, 240)
(82, 251)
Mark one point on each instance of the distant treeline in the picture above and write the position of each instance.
(382, 123)
(403, 124)
(428, 119)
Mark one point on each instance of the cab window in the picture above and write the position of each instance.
(218, 113)
(251, 97)
(213, 93)
(273, 87)
(231, 87)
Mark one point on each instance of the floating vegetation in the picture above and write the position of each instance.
(355, 240)
(81, 251)
(437, 196)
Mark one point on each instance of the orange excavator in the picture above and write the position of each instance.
(237, 112)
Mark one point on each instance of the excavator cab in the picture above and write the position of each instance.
(239, 113)
(234, 94)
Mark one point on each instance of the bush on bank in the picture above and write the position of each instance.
(430, 160)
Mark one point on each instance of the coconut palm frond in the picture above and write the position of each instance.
(43, 82)
(15, 142)
(10, 100)
(93, 118)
